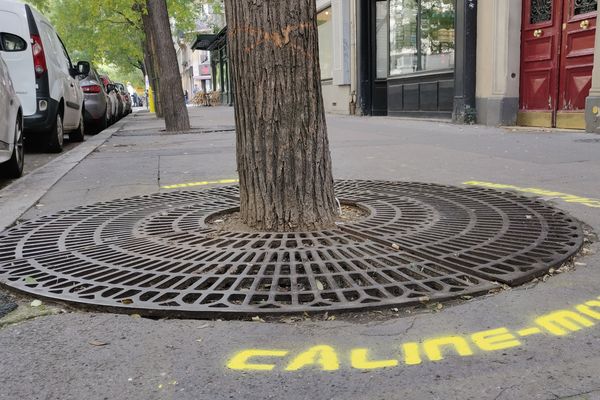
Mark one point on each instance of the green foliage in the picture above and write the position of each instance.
(109, 32)
(118, 74)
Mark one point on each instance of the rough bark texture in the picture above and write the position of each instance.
(283, 155)
(151, 64)
(172, 99)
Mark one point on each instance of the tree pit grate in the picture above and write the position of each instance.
(156, 255)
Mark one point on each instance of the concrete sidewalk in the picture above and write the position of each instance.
(75, 354)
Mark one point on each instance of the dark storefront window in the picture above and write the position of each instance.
(421, 35)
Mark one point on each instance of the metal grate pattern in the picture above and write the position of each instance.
(156, 255)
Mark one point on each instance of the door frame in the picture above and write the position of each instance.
(554, 116)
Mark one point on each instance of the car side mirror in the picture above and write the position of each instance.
(83, 68)
(12, 43)
(110, 87)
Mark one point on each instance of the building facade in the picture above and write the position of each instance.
(537, 63)
(336, 21)
(416, 58)
(493, 62)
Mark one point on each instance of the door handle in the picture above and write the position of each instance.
(584, 24)
(537, 33)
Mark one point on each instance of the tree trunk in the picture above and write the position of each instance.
(283, 155)
(172, 99)
(152, 63)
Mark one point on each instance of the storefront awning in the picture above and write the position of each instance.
(203, 41)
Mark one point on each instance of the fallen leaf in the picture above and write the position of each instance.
(332, 318)
(395, 246)
(127, 301)
(30, 281)
(98, 343)
(36, 303)
(257, 319)
(320, 285)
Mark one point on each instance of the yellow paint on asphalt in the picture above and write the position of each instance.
(323, 357)
(203, 183)
(569, 198)
(529, 332)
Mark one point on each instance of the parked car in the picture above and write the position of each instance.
(11, 115)
(96, 103)
(121, 99)
(113, 100)
(44, 77)
(126, 97)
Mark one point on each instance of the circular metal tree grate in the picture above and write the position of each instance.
(156, 255)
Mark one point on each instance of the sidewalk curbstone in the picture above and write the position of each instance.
(24, 193)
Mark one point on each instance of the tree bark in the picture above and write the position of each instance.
(172, 99)
(152, 63)
(283, 156)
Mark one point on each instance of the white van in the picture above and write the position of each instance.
(44, 77)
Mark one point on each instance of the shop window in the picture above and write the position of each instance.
(421, 35)
(383, 45)
(325, 43)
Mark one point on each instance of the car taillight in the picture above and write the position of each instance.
(91, 89)
(39, 58)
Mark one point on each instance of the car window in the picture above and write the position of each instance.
(65, 54)
(10, 42)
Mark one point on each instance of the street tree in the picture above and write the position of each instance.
(172, 99)
(112, 32)
(283, 156)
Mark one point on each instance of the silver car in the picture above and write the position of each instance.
(96, 107)
(11, 113)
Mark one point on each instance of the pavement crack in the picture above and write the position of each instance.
(158, 172)
(504, 390)
(404, 333)
(572, 396)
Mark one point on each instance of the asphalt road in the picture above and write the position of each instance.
(103, 356)
(36, 158)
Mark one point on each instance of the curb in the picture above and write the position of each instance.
(24, 193)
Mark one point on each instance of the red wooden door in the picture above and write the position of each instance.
(540, 45)
(557, 57)
(577, 61)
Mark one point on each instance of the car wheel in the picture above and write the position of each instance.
(13, 168)
(79, 134)
(56, 136)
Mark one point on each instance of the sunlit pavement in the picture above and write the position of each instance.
(540, 341)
